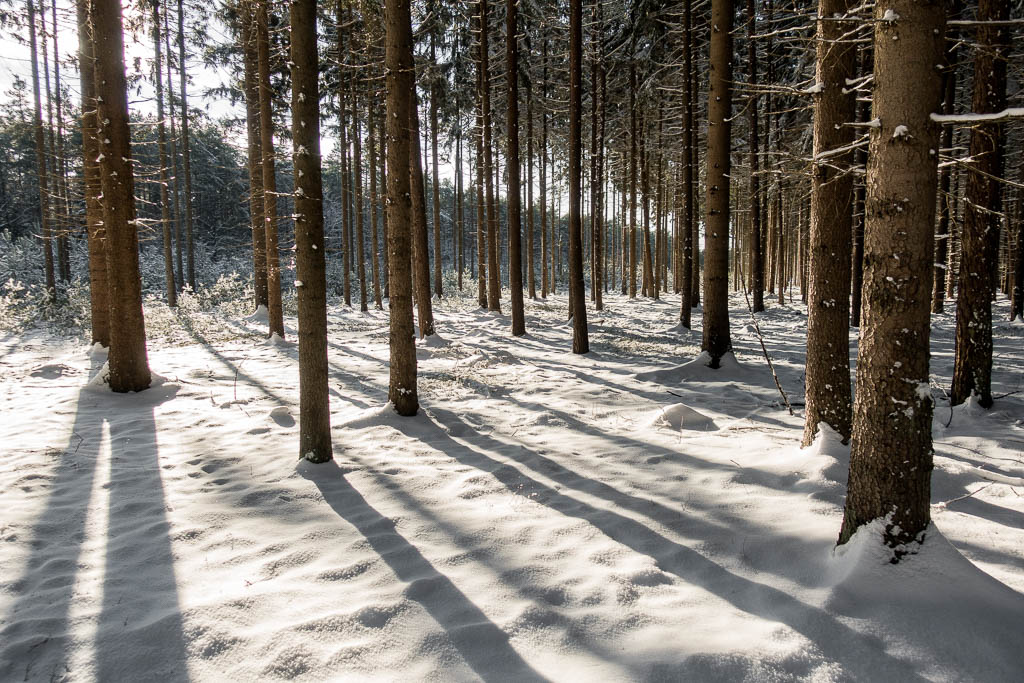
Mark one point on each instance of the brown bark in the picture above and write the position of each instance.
(274, 309)
(716, 341)
(310, 248)
(979, 255)
(127, 360)
(434, 177)
(165, 204)
(186, 155)
(45, 217)
(420, 253)
(493, 274)
(891, 445)
(250, 61)
(577, 294)
(515, 254)
(828, 394)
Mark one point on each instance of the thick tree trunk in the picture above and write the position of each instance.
(310, 248)
(979, 256)
(274, 309)
(127, 360)
(717, 342)
(400, 85)
(99, 298)
(891, 446)
(829, 398)
(515, 253)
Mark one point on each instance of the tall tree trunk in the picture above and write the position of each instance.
(357, 167)
(756, 254)
(493, 274)
(165, 204)
(186, 155)
(42, 177)
(127, 360)
(371, 138)
(946, 201)
(481, 208)
(686, 267)
(99, 298)
(531, 266)
(632, 170)
(274, 309)
(250, 60)
(515, 254)
(60, 161)
(891, 446)
(717, 342)
(400, 79)
(577, 293)
(829, 398)
(979, 258)
(310, 248)
(544, 283)
(420, 253)
(434, 177)
(857, 264)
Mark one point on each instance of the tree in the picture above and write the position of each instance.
(165, 204)
(310, 262)
(891, 445)
(493, 275)
(400, 83)
(828, 393)
(41, 173)
(979, 256)
(274, 308)
(515, 273)
(577, 294)
(186, 142)
(250, 86)
(420, 253)
(687, 270)
(127, 360)
(716, 341)
(96, 233)
(756, 253)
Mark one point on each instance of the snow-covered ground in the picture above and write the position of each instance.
(626, 515)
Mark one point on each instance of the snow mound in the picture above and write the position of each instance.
(818, 471)
(680, 416)
(282, 415)
(697, 369)
(97, 351)
(260, 315)
(934, 608)
(434, 341)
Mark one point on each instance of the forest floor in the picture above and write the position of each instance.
(625, 515)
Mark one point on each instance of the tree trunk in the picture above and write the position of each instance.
(481, 208)
(756, 254)
(515, 254)
(165, 204)
(274, 309)
(686, 267)
(979, 255)
(434, 178)
(45, 218)
(531, 266)
(891, 446)
(946, 202)
(99, 298)
(400, 86)
(632, 170)
(420, 253)
(716, 342)
(828, 394)
(127, 360)
(310, 249)
(577, 293)
(372, 139)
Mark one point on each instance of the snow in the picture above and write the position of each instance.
(631, 514)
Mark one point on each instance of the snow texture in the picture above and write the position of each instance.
(631, 514)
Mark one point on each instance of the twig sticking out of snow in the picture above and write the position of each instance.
(764, 349)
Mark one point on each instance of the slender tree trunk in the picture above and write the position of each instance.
(41, 172)
(310, 248)
(60, 161)
(757, 256)
(632, 170)
(717, 342)
(544, 283)
(979, 257)
(358, 180)
(577, 293)
(434, 177)
(857, 265)
(686, 267)
(127, 360)
(946, 202)
(515, 272)
(165, 204)
(274, 309)
(829, 398)
(493, 274)
(420, 255)
(481, 209)
(186, 156)
(891, 446)
(531, 266)
(99, 298)
(372, 140)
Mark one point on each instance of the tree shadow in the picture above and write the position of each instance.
(480, 642)
(861, 655)
(139, 618)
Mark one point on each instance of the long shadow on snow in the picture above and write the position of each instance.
(483, 646)
(863, 656)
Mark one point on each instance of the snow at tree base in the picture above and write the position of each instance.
(625, 515)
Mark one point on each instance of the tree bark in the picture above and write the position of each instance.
(310, 261)
(577, 293)
(891, 446)
(165, 204)
(493, 274)
(252, 110)
(828, 395)
(45, 217)
(979, 255)
(274, 309)
(127, 360)
(515, 254)
(717, 342)
(420, 253)
(434, 178)
(400, 85)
